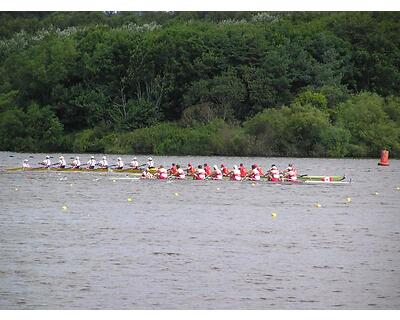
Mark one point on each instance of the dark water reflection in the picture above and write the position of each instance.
(200, 245)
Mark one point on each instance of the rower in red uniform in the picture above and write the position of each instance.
(216, 174)
(207, 169)
(243, 171)
(180, 174)
(290, 174)
(273, 174)
(200, 174)
(162, 173)
(254, 174)
(235, 174)
(173, 169)
(190, 170)
(225, 170)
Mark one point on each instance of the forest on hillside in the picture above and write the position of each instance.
(298, 84)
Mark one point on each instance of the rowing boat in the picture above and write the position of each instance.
(307, 177)
(41, 169)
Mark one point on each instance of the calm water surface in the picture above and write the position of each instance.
(200, 245)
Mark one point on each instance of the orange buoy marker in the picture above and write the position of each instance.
(384, 158)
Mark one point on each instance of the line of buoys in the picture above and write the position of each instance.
(384, 158)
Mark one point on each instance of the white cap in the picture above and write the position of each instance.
(215, 167)
(118, 158)
(235, 167)
(26, 160)
(104, 157)
(47, 157)
(134, 158)
(91, 157)
(150, 158)
(61, 157)
(274, 167)
(77, 158)
(289, 168)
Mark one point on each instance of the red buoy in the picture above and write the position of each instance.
(384, 158)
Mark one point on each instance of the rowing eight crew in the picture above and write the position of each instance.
(236, 174)
(91, 164)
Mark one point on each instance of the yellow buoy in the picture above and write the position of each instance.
(71, 185)
(273, 214)
(129, 199)
(376, 193)
(176, 194)
(65, 208)
(318, 205)
(16, 189)
(348, 199)
(398, 188)
(114, 180)
(253, 184)
(218, 189)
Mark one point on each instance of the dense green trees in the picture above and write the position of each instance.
(235, 83)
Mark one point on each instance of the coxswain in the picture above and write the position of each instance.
(103, 163)
(91, 163)
(235, 174)
(180, 174)
(207, 169)
(243, 170)
(190, 171)
(162, 173)
(225, 170)
(150, 163)
(273, 174)
(254, 174)
(61, 162)
(25, 164)
(173, 170)
(134, 163)
(216, 174)
(200, 174)
(76, 163)
(146, 174)
(46, 162)
(120, 164)
(290, 174)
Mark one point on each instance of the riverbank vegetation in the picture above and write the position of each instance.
(201, 83)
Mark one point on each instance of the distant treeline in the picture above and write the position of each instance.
(201, 83)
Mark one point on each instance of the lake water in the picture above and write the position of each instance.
(200, 244)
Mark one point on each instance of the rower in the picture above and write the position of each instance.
(217, 174)
(120, 164)
(150, 163)
(254, 174)
(207, 169)
(46, 162)
(273, 174)
(61, 162)
(162, 173)
(25, 164)
(76, 163)
(146, 174)
(173, 170)
(103, 163)
(200, 173)
(180, 174)
(134, 164)
(290, 174)
(190, 171)
(243, 171)
(225, 170)
(235, 174)
(91, 163)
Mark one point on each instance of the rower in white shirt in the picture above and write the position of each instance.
(61, 162)
(120, 164)
(134, 164)
(150, 163)
(25, 164)
(103, 163)
(91, 163)
(76, 163)
(46, 162)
